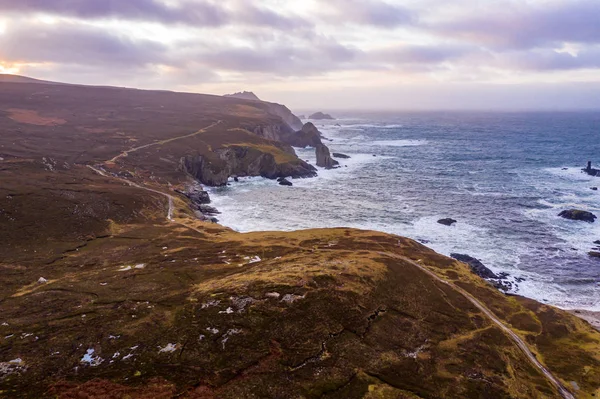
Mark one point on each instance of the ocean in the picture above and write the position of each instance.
(504, 177)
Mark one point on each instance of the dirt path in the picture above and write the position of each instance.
(162, 142)
(513, 336)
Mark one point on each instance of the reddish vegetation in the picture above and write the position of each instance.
(33, 118)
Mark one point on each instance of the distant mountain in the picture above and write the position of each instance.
(244, 95)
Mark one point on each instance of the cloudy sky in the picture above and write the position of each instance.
(330, 54)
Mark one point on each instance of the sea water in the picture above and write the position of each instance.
(504, 176)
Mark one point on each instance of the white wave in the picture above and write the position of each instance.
(400, 143)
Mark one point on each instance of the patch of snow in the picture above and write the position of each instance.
(114, 336)
(127, 356)
(229, 310)
(116, 355)
(165, 248)
(42, 280)
(103, 284)
(90, 359)
(168, 349)
(18, 361)
(212, 330)
(140, 266)
(274, 295)
(124, 269)
(201, 337)
(9, 336)
(255, 260)
(5, 324)
(25, 335)
(134, 347)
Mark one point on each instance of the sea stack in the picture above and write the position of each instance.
(324, 159)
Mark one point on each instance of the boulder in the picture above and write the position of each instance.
(340, 155)
(321, 116)
(285, 182)
(447, 221)
(597, 242)
(324, 159)
(476, 266)
(594, 188)
(594, 254)
(576, 214)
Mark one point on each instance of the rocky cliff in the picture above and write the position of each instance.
(236, 160)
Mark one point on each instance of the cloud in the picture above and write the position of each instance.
(77, 44)
(527, 25)
(198, 12)
(375, 13)
(551, 60)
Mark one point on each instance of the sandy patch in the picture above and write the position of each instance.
(33, 118)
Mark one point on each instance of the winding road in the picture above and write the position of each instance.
(162, 142)
(511, 334)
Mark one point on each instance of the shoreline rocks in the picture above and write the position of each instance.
(576, 214)
(284, 182)
(499, 281)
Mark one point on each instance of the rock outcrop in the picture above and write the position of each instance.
(324, 159)
(591, 171)
(499, 281)
(244, 95)
(241, 161)
(576, 214)
(447, 221)
(308, 136)
(340, 155)
(317, 116)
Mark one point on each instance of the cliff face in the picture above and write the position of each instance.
(241, 161)
(286, 115)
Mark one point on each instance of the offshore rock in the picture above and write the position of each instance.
(576, 214)
(324, 159)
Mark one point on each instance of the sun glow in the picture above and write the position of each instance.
(9, 68)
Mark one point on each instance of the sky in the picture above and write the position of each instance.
(319, 54)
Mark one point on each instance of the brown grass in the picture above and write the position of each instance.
(33, 118)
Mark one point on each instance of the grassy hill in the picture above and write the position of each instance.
(111, 288)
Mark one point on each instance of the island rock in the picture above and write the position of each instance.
(317, 116)
(447, 221)
(576, 214)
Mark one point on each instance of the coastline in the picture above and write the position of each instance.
(590, 316)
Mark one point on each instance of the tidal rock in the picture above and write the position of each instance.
(476, 266)
(324, 159)
(340, 155)
(576, 214)
(285, 182)
(321, 116)
(597, 242)
(196, 195)
(594, 254)
(447, 221)
(591, 171)
(594, 188)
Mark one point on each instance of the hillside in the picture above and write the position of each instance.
(113, 288)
